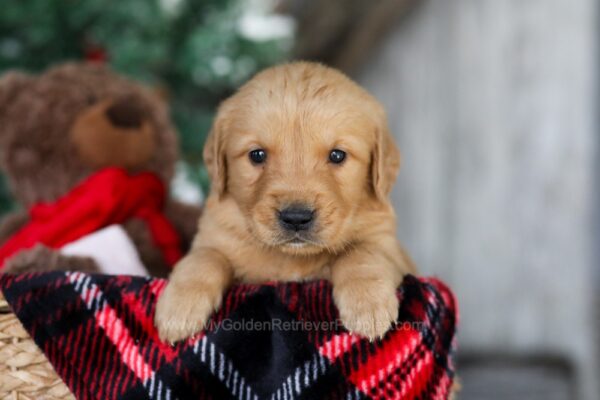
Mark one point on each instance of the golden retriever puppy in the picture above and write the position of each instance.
(301, 163)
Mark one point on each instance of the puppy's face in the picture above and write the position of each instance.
(304, 152)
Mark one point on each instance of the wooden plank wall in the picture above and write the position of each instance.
(493, 104)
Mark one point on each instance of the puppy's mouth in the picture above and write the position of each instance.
(298, 241)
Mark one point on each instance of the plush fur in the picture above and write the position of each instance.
(58, 128)
(298, 113)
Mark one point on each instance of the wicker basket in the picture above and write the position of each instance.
(25, 372)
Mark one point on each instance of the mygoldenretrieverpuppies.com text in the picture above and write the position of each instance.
(277, 324)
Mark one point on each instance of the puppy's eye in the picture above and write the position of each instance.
(258, 156)
(337, 156)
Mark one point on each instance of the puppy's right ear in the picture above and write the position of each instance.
(385, 162)
(214, 156)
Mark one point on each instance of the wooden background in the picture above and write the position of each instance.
(493, 103)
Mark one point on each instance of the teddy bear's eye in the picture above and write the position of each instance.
(91, 99)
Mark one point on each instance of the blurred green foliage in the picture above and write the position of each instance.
(192, 49)
(5, 203)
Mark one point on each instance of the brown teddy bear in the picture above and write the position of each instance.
(89, 155)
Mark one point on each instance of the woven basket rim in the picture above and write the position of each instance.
(25, 372)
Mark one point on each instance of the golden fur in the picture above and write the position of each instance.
(298, 113)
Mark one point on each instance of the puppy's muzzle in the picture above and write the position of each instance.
(296, 218)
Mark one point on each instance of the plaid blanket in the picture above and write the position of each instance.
(278, 341)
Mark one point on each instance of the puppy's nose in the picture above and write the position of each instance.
(296, 218)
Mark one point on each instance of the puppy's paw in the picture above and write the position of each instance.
(182, 311)
(368, 308)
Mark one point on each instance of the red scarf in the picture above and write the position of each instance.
(110, 196)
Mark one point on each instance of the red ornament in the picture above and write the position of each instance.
(96, 54)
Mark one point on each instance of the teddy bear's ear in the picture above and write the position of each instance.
(11, 83)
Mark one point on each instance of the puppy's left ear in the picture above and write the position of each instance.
(214, 157)
(385, 163)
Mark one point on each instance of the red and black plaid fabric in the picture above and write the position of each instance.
(279, 341)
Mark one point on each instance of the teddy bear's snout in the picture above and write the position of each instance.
(115, 132)
(125, 113)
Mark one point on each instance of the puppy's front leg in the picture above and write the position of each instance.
(194, 292)
(364, 287)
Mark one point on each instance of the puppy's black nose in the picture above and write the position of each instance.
(296, 218)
